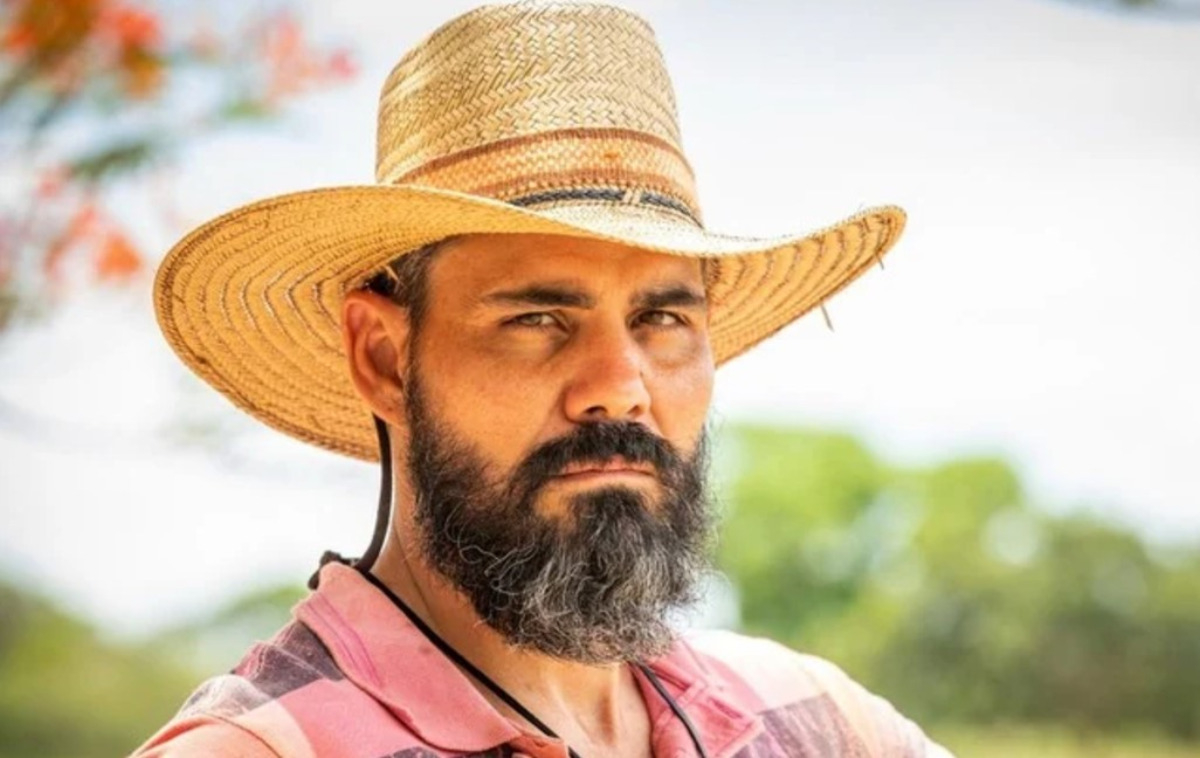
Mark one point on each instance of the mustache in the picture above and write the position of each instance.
(595, 443)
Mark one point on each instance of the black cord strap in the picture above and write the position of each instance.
(457, 657)
(383, 512)
(676, 708)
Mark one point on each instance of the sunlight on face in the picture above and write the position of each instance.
(526, 337)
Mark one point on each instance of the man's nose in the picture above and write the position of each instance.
(609, 382)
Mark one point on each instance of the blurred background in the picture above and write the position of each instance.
(976, 492)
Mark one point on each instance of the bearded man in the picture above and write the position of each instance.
(522, 320)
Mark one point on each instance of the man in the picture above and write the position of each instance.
(522, 319)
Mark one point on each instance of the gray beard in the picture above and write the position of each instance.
(597, 585)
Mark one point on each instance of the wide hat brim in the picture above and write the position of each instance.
(251, 301)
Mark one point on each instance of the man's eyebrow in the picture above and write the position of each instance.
(544, 295)
(566, 296)
(672, 296)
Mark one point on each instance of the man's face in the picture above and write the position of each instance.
(556, 394)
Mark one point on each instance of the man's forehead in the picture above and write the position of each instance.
(479, 261)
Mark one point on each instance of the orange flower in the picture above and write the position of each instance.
(131, 27)
(341, 65)
(285, 57)
(283, 43)
(17, 38)
(116, 258)
(47, 30)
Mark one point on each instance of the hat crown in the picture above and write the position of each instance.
(538, 104)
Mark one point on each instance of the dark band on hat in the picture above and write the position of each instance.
(607, 194)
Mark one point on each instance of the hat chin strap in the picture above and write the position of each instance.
(382, 514)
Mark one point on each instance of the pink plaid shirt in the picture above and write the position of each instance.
(351, 676)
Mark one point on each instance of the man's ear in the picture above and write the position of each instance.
(375, 334)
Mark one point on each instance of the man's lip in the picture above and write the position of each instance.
(616, 466)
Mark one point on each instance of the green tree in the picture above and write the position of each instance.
(945, 589)
(65, 691)
(68, 692)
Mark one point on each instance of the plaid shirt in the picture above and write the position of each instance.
(350, 676)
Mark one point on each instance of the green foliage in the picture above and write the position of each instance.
(776, 550)
(946, 591)
(64, 691)
(1022, 741)
(122, 156)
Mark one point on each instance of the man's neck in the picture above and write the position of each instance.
(597, 709)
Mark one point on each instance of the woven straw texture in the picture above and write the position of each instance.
(546, 118)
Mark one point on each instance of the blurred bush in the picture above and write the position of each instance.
(946, 591)
(66, 691)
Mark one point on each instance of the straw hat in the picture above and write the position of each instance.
(548, 118)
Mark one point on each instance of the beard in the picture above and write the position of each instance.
(595, 584)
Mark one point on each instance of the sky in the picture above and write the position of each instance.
(1040, 305)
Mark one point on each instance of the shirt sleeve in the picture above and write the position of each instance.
(194, 738)
(887, 733)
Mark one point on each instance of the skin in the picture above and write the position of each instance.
(525, 337)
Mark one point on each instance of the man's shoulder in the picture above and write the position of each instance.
(253, 706)
(774, 671)
(807, 697)
(291, 661)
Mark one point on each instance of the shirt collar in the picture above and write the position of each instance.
(724, 724)
(380, 650)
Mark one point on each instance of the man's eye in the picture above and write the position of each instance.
(533, 320)
(660, 318)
